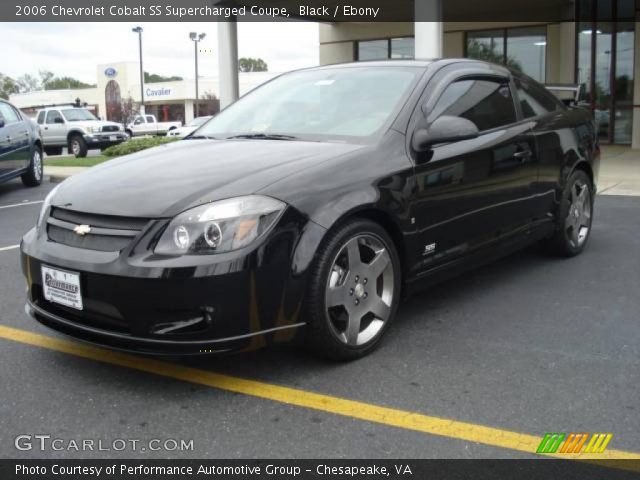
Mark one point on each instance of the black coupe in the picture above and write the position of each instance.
(304, 210)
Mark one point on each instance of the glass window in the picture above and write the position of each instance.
(333, 102)
(486, 45)
(41, 118)
(150, 119)
(527, 51)
(402, 48)
(523, 49)
(373, 50)
(8, 113)
(387, 48)
(78, 114)
(53, 115)
(486, 103)
(534, 100)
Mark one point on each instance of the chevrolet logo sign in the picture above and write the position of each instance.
(82, 230)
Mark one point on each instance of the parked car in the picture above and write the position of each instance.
(77, 129)
(307, 208)
(20, 147)
(148, 125)
(189, 128)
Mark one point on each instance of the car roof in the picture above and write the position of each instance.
(422, 63)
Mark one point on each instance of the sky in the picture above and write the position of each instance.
(74, 49)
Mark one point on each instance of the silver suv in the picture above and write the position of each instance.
(77, 129)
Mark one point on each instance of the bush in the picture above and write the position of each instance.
(136, 145)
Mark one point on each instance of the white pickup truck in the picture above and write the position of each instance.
(149, 125)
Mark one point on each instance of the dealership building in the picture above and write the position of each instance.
(119, 81)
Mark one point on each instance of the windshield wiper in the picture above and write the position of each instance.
(200, 137)
(264, 136)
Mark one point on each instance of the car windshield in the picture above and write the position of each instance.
(332, 103)
(77, 114)
(196, 122)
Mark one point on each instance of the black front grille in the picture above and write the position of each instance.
(110, 128)
(105, 233)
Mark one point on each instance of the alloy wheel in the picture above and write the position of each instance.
(578, 221)
(37, 165)
(360, 290)
(75, 147)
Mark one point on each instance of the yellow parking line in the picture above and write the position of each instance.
(407, 420)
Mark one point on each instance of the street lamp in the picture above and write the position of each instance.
(138, 30)
(196, 39)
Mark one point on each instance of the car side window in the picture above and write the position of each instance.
(9, 114)
(41, 118)
(149, 119)
(137, 121)
(534, 100)
(53, 115)
(487, 103)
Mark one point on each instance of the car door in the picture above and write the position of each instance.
(5, 148)
(15, 137)
(471, 193)
(151, 124)
(54, 131)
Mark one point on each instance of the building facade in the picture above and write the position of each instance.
(600, 51)
(118, 84)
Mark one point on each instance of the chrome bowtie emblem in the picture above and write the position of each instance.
(82, 229)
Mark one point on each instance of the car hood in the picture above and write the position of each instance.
(166, 180)
(92, 123)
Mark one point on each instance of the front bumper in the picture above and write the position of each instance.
(137, 302)
(105, 139)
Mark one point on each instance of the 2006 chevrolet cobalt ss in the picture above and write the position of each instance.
(302, 211)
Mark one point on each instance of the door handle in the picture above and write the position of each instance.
(523, 155)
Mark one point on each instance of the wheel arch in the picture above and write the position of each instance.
(74, 133)
(383, 219)
(585, 167)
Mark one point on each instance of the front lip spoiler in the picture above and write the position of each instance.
(140, 345)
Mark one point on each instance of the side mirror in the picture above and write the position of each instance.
(445, 129)
(58, 120)
(1, 122)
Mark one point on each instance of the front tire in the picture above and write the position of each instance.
(78, 146)
(575, 216)
(33, 177)
(354, 291)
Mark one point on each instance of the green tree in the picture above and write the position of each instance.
(28, 83)
(247, 64)
(59, 83)
(155, 78)
(7, 86)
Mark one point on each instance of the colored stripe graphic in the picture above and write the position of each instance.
(555, 442)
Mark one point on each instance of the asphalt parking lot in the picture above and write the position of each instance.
(528, 345)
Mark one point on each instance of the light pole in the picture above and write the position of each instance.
(138, 30)
(196, 39)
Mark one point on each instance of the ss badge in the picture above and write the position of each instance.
(429, 249)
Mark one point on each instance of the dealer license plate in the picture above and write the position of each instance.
(62, 287)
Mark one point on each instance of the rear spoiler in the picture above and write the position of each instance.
(568, 93)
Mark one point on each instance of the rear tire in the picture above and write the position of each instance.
(78, 146)
(354, 291)
(575, 217)
(33, 177)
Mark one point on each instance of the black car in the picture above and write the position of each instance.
(304, 210)
(20, 147)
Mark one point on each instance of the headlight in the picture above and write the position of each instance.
(45, 206)
(220, 226)
(94, 129)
